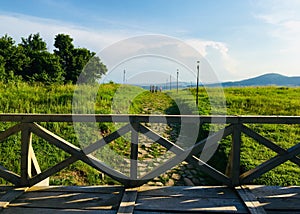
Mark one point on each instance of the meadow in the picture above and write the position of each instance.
(20, 97)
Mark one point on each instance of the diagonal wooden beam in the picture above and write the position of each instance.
(35, 165)
(106, 140)
(188, 155)
(54, 139)
(209, 170)
(260, 139)
(198, 147)
(10, 176)
(11, 195)
(10, 131)
(78, 153)
(170, 146)
(270, 164)
(52, 170)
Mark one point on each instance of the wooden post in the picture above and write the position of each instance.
(233, 166)
(134, 150)
(35, 168)
(26, 140)
(29, 163)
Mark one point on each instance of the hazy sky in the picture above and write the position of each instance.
(240, 39)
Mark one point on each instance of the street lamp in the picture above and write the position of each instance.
(197, 89)
(170, 82)
(177, 80)
(124, 76)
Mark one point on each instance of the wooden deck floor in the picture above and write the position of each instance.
(145, 199)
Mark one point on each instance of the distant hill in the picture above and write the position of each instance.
(264, 80)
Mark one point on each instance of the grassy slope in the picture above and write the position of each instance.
(268, 101)
(22, 98)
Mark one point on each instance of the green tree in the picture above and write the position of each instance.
(34, 42)
(64, 49)
(74, 60)
(46, 67)
(43, 66)
(31, 61)
(2, 69)
(13, 57)
(93, 70)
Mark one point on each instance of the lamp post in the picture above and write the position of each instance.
(170, 82)
(124, 76)
(177, 80)
(167, 84)
(197, 89)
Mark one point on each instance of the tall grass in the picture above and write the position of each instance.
(20, 97)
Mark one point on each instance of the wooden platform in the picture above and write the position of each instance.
(145, 199)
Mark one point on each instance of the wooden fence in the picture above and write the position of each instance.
(31, 173)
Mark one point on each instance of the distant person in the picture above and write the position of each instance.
(152, 88)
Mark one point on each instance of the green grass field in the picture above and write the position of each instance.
(111, 98)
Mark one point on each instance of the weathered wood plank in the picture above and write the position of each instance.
(128, 201)
(182, 199)
(250, 201)
(4, 189)
(216, 119)
(279, 199)
(188, 204)
(68, 200)
(11, 195)
(114, 189)
(195, 191)
(28, 210)
(275, 191)
(151, 199)
(283, 204)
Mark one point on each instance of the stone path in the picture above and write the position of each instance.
(182, 175)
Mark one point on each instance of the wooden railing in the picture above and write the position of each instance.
(31, 173)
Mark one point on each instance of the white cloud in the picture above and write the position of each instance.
(18, 26)
(217, 53)
(283, 26)
(284, 17)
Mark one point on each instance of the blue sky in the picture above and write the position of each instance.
(240, 39)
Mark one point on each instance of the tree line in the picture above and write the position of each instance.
(31, 61)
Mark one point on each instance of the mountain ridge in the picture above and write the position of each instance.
(264, 80)
(269, 79)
